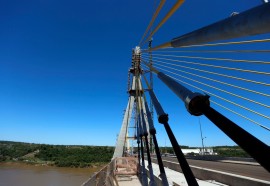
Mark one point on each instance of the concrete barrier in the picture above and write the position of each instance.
(217, 158)
(222, 177)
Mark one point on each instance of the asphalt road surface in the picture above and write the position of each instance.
(253, 171)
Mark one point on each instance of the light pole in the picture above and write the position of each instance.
(165, 148)
(201, 136)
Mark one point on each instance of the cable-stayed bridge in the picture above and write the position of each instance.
(221, 67)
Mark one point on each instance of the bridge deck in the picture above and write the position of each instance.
(131, 181)
(177, 178)
(250, 169)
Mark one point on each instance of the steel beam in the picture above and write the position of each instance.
(251, 22)
(176, 147)
(158, 155)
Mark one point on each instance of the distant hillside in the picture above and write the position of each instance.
(81, 156)
(59, 155)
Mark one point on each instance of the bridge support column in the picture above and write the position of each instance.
(163, 118)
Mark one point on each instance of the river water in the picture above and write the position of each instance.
(16, 174)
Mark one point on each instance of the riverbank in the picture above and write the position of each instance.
(39, 163)
(21, 164)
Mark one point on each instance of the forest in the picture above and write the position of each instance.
(80, 156)
(230, 151)
(57, 155)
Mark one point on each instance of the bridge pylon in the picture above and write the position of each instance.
(136, 93)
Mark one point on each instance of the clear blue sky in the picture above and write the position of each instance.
(63, 68)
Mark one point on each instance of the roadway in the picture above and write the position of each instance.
(253, 171)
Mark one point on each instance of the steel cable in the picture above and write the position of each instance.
(167, 16)
(215, 66)
(215, 73)
(162, 2)
(255, 122)
(221, 82)
(216, 59)
(250, 110)
(236, 95)
(210, 51)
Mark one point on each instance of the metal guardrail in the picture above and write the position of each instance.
(103, 177)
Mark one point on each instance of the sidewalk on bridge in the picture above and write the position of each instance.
(177, 178)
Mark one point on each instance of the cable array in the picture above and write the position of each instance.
(195, 66)
(214, 66)
(165, 18)
(218, 74)
(161, 4)
(222, 74)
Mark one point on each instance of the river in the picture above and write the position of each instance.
(18, 174)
